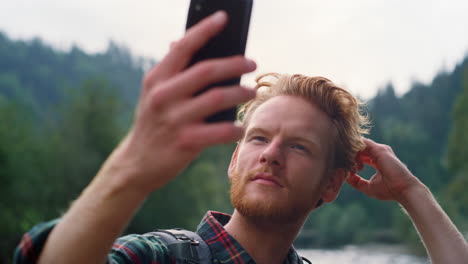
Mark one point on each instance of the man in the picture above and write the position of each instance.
(299, 142)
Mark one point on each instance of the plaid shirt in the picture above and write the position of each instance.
(148, 248)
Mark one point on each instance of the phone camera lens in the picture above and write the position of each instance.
(198, 7)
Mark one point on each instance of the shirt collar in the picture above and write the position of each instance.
(224, 247)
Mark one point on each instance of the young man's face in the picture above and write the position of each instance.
(279, 170)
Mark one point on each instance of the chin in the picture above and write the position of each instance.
(267, 207)
(266, 203)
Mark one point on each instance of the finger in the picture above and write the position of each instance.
(209, 72)
(198, 77)
(181, 51)
(373, 148)
(367, 159)
(370, 145)
(377, 151)
(213, 101)
(358, 183)
(204, 135)
(363, 158)
(359, 165)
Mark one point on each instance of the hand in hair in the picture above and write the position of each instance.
(392, 180)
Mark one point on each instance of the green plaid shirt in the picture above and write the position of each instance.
(148, 248)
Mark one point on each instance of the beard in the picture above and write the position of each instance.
(281, 206)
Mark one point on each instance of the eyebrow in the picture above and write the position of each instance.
(256, 130)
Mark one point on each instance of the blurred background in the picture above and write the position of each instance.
(70, 76)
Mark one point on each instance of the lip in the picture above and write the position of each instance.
(267, 179)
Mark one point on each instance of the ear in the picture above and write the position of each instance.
(233, 164)
(332, 188)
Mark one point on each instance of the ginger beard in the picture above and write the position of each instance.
(280, 206)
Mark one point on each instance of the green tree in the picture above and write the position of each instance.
(457, 156)
(86, 131)
(458, 139)
(17, 152)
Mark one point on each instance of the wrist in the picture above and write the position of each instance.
(120, 173)
(414, 195)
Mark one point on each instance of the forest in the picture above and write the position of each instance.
(63, 112)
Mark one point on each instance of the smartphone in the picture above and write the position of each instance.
(231, 41)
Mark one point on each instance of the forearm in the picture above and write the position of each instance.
(87, 231)
(443, 242)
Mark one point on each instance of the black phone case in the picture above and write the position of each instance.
(231, 41)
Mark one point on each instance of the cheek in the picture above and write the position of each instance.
(307, 190)
(240, 168)
(246, 157)
(309, 184)
(309, 174)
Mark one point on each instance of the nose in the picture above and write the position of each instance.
(272, 154)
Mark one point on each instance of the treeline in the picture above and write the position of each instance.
(62, 113)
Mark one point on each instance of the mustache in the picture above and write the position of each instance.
(263, 169)
(283, 181)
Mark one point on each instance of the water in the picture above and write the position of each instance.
(378, 254)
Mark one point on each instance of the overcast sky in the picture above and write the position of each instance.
(360, 44)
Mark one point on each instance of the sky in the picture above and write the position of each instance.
(361, 44)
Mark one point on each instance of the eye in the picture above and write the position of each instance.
(299, 147)
(259, 138)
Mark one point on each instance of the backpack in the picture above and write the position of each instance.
(188, 247)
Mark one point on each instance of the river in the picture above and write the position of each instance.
(378, 254)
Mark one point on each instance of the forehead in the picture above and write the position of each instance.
(293, 116)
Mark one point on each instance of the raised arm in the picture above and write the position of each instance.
(168, 133)
(393, 181)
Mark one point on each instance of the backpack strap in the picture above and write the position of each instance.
(186, 246)
(306, 260)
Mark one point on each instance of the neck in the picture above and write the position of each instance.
(266, 242)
